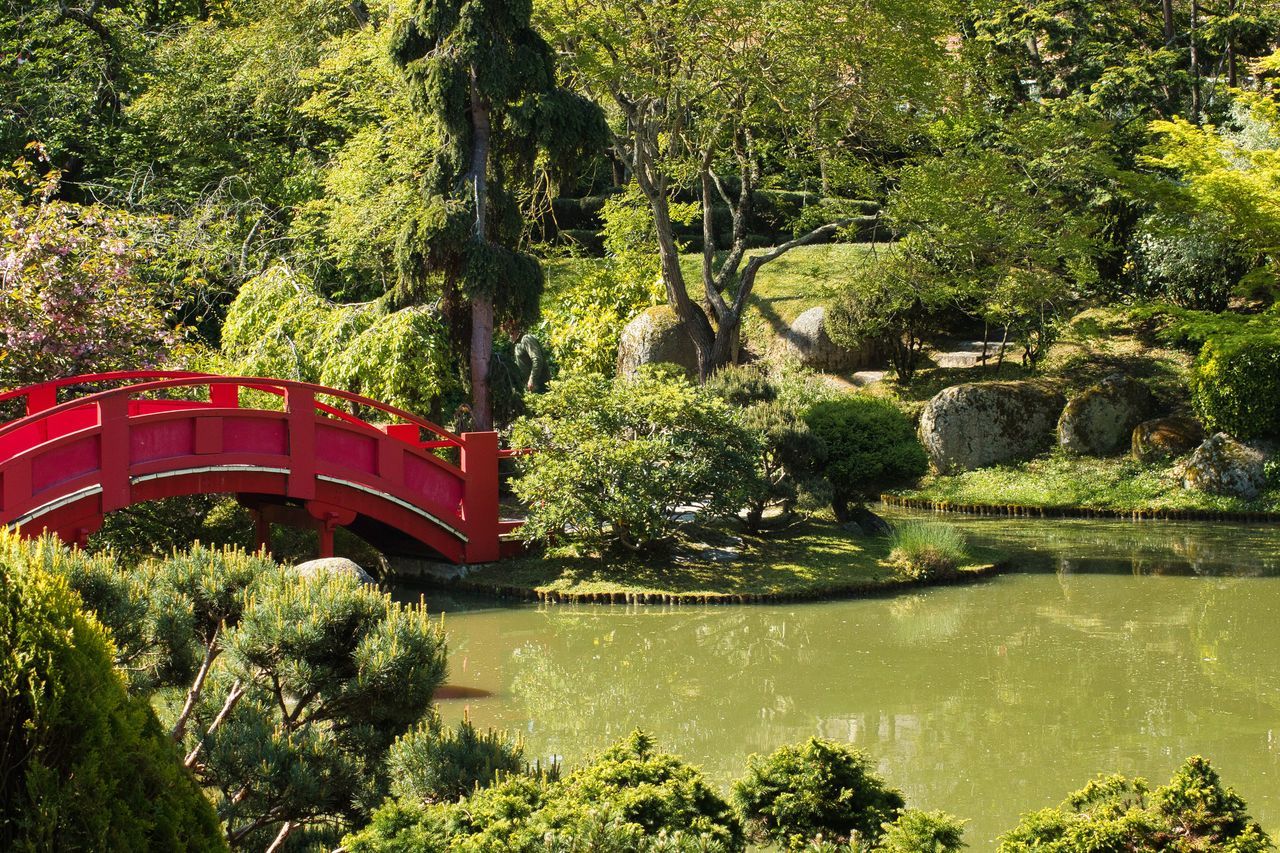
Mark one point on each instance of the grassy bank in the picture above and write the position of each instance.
(813, 559)
(1119, 484)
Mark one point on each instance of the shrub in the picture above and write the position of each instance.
(1234, 387)
(1194, 262)
(82, 765)
(613, 459)
(927, 551)
(789, 456)
(922, 832)
(630, 798)
(432, 763)
(870, 445)
(1193, 812)
(818, 788)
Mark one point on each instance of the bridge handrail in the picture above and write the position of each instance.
(185, 379)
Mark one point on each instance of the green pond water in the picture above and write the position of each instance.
(1111, 646)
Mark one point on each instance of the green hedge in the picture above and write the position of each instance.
(1235, 385)
(83, 766)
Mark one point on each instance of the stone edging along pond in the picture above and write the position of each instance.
(864, 589)
(1017, 510)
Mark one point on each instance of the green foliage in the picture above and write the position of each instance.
(1234, 387)
(927, 551)
(898, 303)
(790, 457)
(433, 764)
(612, 460)
(1192, 813)
(318, 678)
(922, 832)
(630, 798)
(819, 789)
(84, 765)
(870, 444)
(157, 528)
(1193, 262)
(280, 326)
(585, 319)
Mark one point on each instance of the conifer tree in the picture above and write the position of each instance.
(478, 72)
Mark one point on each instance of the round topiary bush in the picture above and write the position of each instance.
(817, 788)
(1234, 385)
(870, 444)
(83, 766)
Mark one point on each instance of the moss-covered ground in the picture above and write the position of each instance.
(811, 559)
(1118, 484)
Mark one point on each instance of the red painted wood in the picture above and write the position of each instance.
(64, 466)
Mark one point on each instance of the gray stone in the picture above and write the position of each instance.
(808, 341)
(1224, 466)
(333, 566)
(1162, 438)
(985, 423)
(656, 336)
(1100, 420)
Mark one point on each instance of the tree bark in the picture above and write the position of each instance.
(211, 652)
(1170, 34)
(482, 302)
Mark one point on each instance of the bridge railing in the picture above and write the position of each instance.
(40, 402)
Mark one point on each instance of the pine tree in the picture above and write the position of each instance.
(478, 72)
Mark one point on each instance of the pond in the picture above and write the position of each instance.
(1112, 646)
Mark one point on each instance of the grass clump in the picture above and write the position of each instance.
(924, 550)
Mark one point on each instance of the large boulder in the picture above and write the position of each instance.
(1162, 438)
(333, 566)
(1224, 466)
(985, 423)
(656, 336)
(1100, 420)
(808, 341)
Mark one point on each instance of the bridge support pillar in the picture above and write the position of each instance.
(480, 496)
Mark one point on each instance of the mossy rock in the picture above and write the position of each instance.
(1224, 466)
(1163, 438)
(1101, 419)
(980, 424)
(656, 336)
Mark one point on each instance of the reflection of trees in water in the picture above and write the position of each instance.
(1138, 547)
(985, 700)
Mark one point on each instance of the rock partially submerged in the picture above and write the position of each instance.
(985, 423)
(1164, 438)
(656, 336)
(333, 566)
(1101, 419)
(1224, 466)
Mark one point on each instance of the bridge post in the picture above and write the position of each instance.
(480, 496)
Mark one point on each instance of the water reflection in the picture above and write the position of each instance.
(986, 700)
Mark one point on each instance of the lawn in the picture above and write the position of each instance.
(812, 559)
(1057, 481)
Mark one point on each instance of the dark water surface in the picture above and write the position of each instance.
(1114, 646)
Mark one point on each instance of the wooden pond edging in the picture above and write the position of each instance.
(1020, 511)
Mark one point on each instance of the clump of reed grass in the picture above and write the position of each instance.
(925, 550)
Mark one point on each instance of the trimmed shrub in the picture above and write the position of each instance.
(433, 764)
(870, 444)
(82, 765)
(1193, 812)
(926, 551)
(630, 798)
(819, 788)
(1234, 385)
(923, 832)
(614, 459)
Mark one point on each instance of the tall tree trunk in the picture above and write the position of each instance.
(482, 302)
(1195, 64)
(1170, 34)
(1233, 74)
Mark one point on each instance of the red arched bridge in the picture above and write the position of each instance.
(293, 452)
